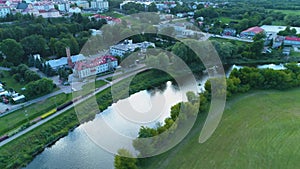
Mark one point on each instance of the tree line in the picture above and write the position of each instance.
(28, 35)
(240, 81)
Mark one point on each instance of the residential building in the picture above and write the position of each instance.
(95, 66)
(101, 5)
(63, 7)
(4, 10)
(229, 32)
(278, 41)
(63, 61)
(251, 32)
(291, 41)
(83, 4)
(127, 47)
(52, 13)
(74, 10)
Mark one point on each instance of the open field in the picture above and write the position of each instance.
(227, 20)
(15, 119)
(259, 129)
(288, 12)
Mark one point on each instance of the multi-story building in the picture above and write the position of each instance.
(127, 47)
(95, 66)
(4, 10)
(101, 5)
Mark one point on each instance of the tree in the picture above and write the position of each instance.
(152, 7)
(259, 36)
(34, 44)
(12, 51)
(125, 160)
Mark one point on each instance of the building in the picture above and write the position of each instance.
(52, 13)
(61, 62)
(101, 5)
(291, 41)
(278, 41)
(63, 7)
(18, 99)
(95, 66)
(229, 32)
(271, 29)
(251, 32)
(127, 47)
(4, 10)
(74, 10)
(83, 4)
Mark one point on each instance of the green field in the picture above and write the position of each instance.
(287, 12)
(11, 82)
(258, 130)
(227, 20)
(17, 118)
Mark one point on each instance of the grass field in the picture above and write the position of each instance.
(227, 20)
(13, 120)
(258, 130)
(11, 82)
(287, 12)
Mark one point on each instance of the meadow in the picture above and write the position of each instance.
(259, 129)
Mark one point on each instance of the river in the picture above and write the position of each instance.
(77, 151)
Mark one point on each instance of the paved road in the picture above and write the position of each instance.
(63, 89)
(233, 38)
(69, 107)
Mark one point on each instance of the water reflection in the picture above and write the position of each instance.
(77, 151)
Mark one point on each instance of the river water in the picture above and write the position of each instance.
(77, 151)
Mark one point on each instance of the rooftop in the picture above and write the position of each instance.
(94, 62)
(277, 29)
(64, 60)
(255, 29)
(292, 38)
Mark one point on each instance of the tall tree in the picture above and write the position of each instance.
(12, 51)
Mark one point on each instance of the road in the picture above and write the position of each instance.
(63, 89)
(69, 107)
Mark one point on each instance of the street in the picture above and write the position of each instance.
(69, 107)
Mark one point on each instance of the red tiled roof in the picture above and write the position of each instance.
(255, 29)
(93, 63)
(292, 38)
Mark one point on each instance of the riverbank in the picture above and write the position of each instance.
(22, 150)
(258, 130)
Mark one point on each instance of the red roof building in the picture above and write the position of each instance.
(251, 32)
(95, 66)
(291, 41)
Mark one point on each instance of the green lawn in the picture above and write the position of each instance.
(288, 12)
(15, 119)
(93, 85)
(228, 40)
(11, 82)
(258, 130)
(227, 20)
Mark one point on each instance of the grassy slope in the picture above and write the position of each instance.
(258, 130)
